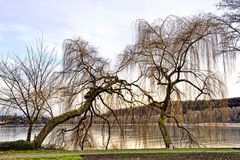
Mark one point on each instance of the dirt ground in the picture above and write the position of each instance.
(175, 156)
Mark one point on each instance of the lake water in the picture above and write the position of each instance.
(141, 136)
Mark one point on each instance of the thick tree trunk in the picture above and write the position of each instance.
(58, 120)
(162, 119)
(29, 133)
(164, 131)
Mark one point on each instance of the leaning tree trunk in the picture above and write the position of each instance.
(58, 120)
(164, 130)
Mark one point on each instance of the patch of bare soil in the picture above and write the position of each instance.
(164, 156)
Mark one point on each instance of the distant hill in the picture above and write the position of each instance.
(187, 105)
(215, 103)
(197, 107)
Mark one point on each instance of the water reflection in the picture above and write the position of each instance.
(143, 136)
(13, 132)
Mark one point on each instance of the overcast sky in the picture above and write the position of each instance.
(107, 24)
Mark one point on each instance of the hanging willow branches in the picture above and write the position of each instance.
(91, 91)
(172, 59)
(177, 58)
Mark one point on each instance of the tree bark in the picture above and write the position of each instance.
(164, 130)
(29, 133)
(58, 120)
(162, 119)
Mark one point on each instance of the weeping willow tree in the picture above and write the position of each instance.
(90, 90)
(177, 59)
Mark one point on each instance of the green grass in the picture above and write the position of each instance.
(113, 150)
(162, 152)
(50, 158)
(35, 151)
(76, 151)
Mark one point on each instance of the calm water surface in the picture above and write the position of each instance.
(143, 136)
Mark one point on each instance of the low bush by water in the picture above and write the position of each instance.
(16, 145)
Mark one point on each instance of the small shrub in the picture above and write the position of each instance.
(16, 145)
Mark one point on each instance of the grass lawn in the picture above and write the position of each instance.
(35, 152)
(49, 158)
(125, 154)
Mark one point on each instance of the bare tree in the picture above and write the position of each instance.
(176, 59)
(27, 84)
